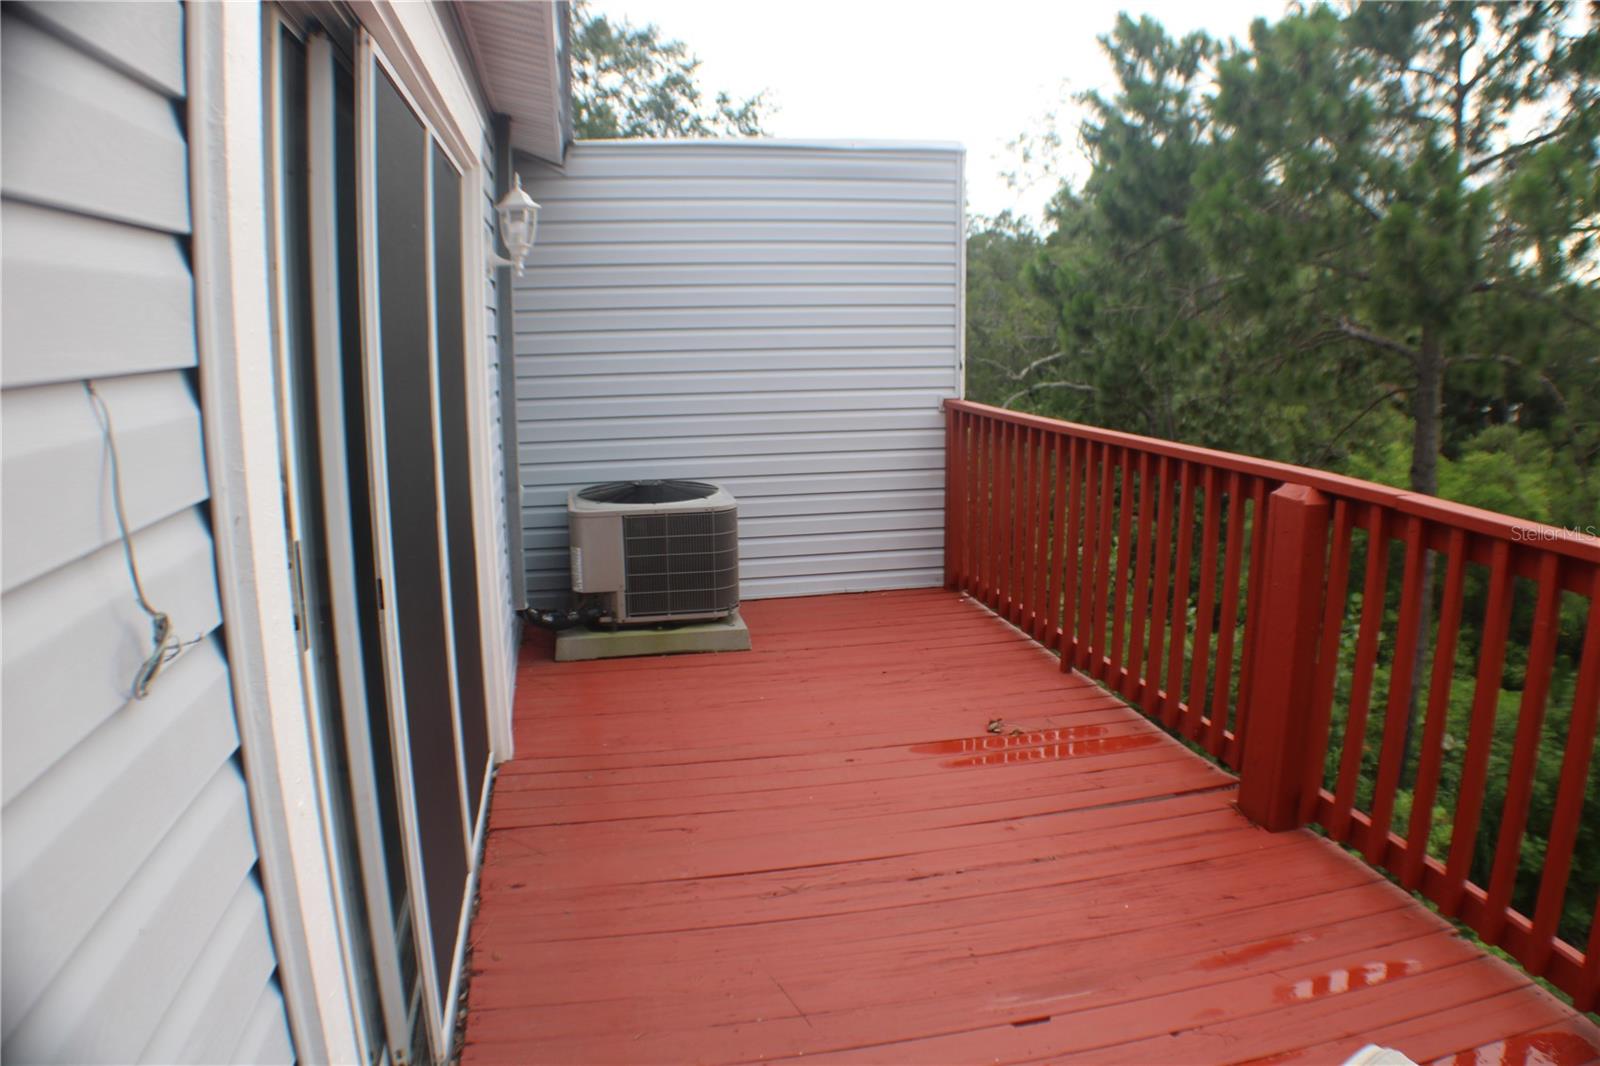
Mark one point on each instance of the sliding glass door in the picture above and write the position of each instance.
(414, 244)
(374, 220)
(415, 593)
(329, 512)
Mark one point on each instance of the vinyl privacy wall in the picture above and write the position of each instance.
(781, 318)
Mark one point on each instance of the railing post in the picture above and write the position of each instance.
(954, 518)
(1289, 609)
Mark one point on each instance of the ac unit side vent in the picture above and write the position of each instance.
(681, 563)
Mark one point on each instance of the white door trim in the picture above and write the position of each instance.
(243, 455)
(488, 486)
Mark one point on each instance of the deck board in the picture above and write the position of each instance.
(815, 849)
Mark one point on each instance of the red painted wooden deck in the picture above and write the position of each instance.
(816, 849)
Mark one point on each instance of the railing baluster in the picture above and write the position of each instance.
(1480, 733)
(1229, 619)
(1055, 587)
(1133, 680)
(1570, 792)
(977, 505)
(997, 435)
(1091, 528)
(1392, 756)
(1151, 694)
(1039, 527)
(1525, 749)
(1172, 710)
(1200, 655)
(1000, 471)
(1430, 753)
(951, 495)
(1019, 526)
(1122, 573)
(1072, 575)
(1355, 730)
(1045, 619)
(969, 508)
(1004, 468)
(1044, 613)
(986, 509)
(1587, 996)
(1041, 532)
(956, 510)
(1102, 569)
(1020, 607)
(1334, 605)
(1234, 752)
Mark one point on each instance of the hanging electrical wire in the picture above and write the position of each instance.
(164, 644)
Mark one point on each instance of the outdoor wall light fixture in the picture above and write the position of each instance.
(519, 216)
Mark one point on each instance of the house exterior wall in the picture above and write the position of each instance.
(134, 923)
(781, 318)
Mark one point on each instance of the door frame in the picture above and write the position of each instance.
(381, 974)
(234, 302)
(234, 316)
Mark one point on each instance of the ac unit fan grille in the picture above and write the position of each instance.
(681, 563)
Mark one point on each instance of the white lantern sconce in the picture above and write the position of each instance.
(519, 217)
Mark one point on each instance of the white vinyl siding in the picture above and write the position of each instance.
(134, 925)
(783, 319)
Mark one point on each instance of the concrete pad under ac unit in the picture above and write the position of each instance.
(728, 634)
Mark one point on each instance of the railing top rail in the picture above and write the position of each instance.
(1489, 523)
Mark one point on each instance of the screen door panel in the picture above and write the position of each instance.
(417, 597)
(450, 347)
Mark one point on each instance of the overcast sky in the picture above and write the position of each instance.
(976, 73)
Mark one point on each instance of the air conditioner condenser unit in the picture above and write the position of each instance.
(661, 551)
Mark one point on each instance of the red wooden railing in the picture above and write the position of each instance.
(1214, 592)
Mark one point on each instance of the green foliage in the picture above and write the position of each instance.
(1373, 222)
(628, 82)
(1010, 325)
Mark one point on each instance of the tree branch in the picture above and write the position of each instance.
(1539, 297)
(1365, 411)
(1355, 198)
(1377, 340)
(1521, 146)
(1515, 364)
(1018, 375)
(1029, 391)
(1176, 227)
